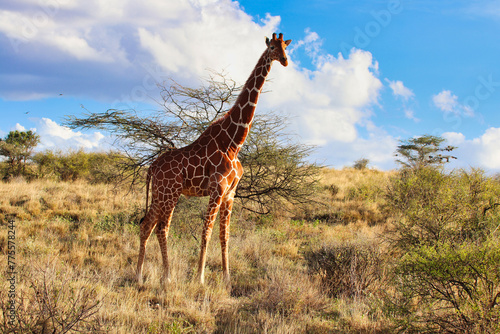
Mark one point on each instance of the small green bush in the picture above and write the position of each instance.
(365, 192)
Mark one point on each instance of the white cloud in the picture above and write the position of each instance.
(311, 43)
(410, 114)
(399, 90)
(378, 147)
(447, 102)
(19, 127)
(118, 39)
(329, 102)
(219, 36)
(56, 137)
(79, 48)
(489, 153)
(46, 26)
(105, 31)
(454, 138)
(483, 151)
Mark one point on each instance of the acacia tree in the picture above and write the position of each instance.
(276, 167)
(17, 147)
(423, 151)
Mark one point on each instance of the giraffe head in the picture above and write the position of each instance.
(276, 48)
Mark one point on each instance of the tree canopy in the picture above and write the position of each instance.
(423, 151)
(17, 147)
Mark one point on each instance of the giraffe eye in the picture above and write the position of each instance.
(272, 47)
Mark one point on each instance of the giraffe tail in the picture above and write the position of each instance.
(148, 181)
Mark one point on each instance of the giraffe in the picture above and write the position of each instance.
(207, 167)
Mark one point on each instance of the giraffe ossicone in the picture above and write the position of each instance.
(207, 167)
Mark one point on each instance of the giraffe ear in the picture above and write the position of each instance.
(268, 42)
(287, 43)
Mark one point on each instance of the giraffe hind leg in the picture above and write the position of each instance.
(147, 224)
(162, 235)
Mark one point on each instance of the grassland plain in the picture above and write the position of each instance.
(76, 251)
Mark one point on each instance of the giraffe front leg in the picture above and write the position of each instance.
(213, 209)
(225, 217)
(162, 235)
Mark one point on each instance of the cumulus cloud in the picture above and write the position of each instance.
(79, 48)
(41, 24)
(410, 114)
(222, 37)
(448, 103)
(19, 127)
(311, 43)
(378, 147)
(329, 102)
(115, 39)
(400, 91)
(445, 101)
(56, 137)
(482, 151)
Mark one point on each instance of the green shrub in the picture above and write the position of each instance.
(432, 206)
(451, 288)
(447, 274)
(368, 192)
(94, 167)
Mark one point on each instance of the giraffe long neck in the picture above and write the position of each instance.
(238, 120)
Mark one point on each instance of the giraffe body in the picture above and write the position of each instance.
(207, 167)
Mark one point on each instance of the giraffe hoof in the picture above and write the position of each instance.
(139, 279)
(227, 282)
(165, 281)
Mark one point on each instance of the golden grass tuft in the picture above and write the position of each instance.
(76, 201)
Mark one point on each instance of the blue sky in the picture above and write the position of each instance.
(362, 74)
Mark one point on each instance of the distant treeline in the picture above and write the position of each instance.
(94, 167)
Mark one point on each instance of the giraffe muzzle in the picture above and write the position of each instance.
(284, 61)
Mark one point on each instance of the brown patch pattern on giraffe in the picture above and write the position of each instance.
(207, 167)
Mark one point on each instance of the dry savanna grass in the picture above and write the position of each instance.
(76, 251)
(351, 196)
